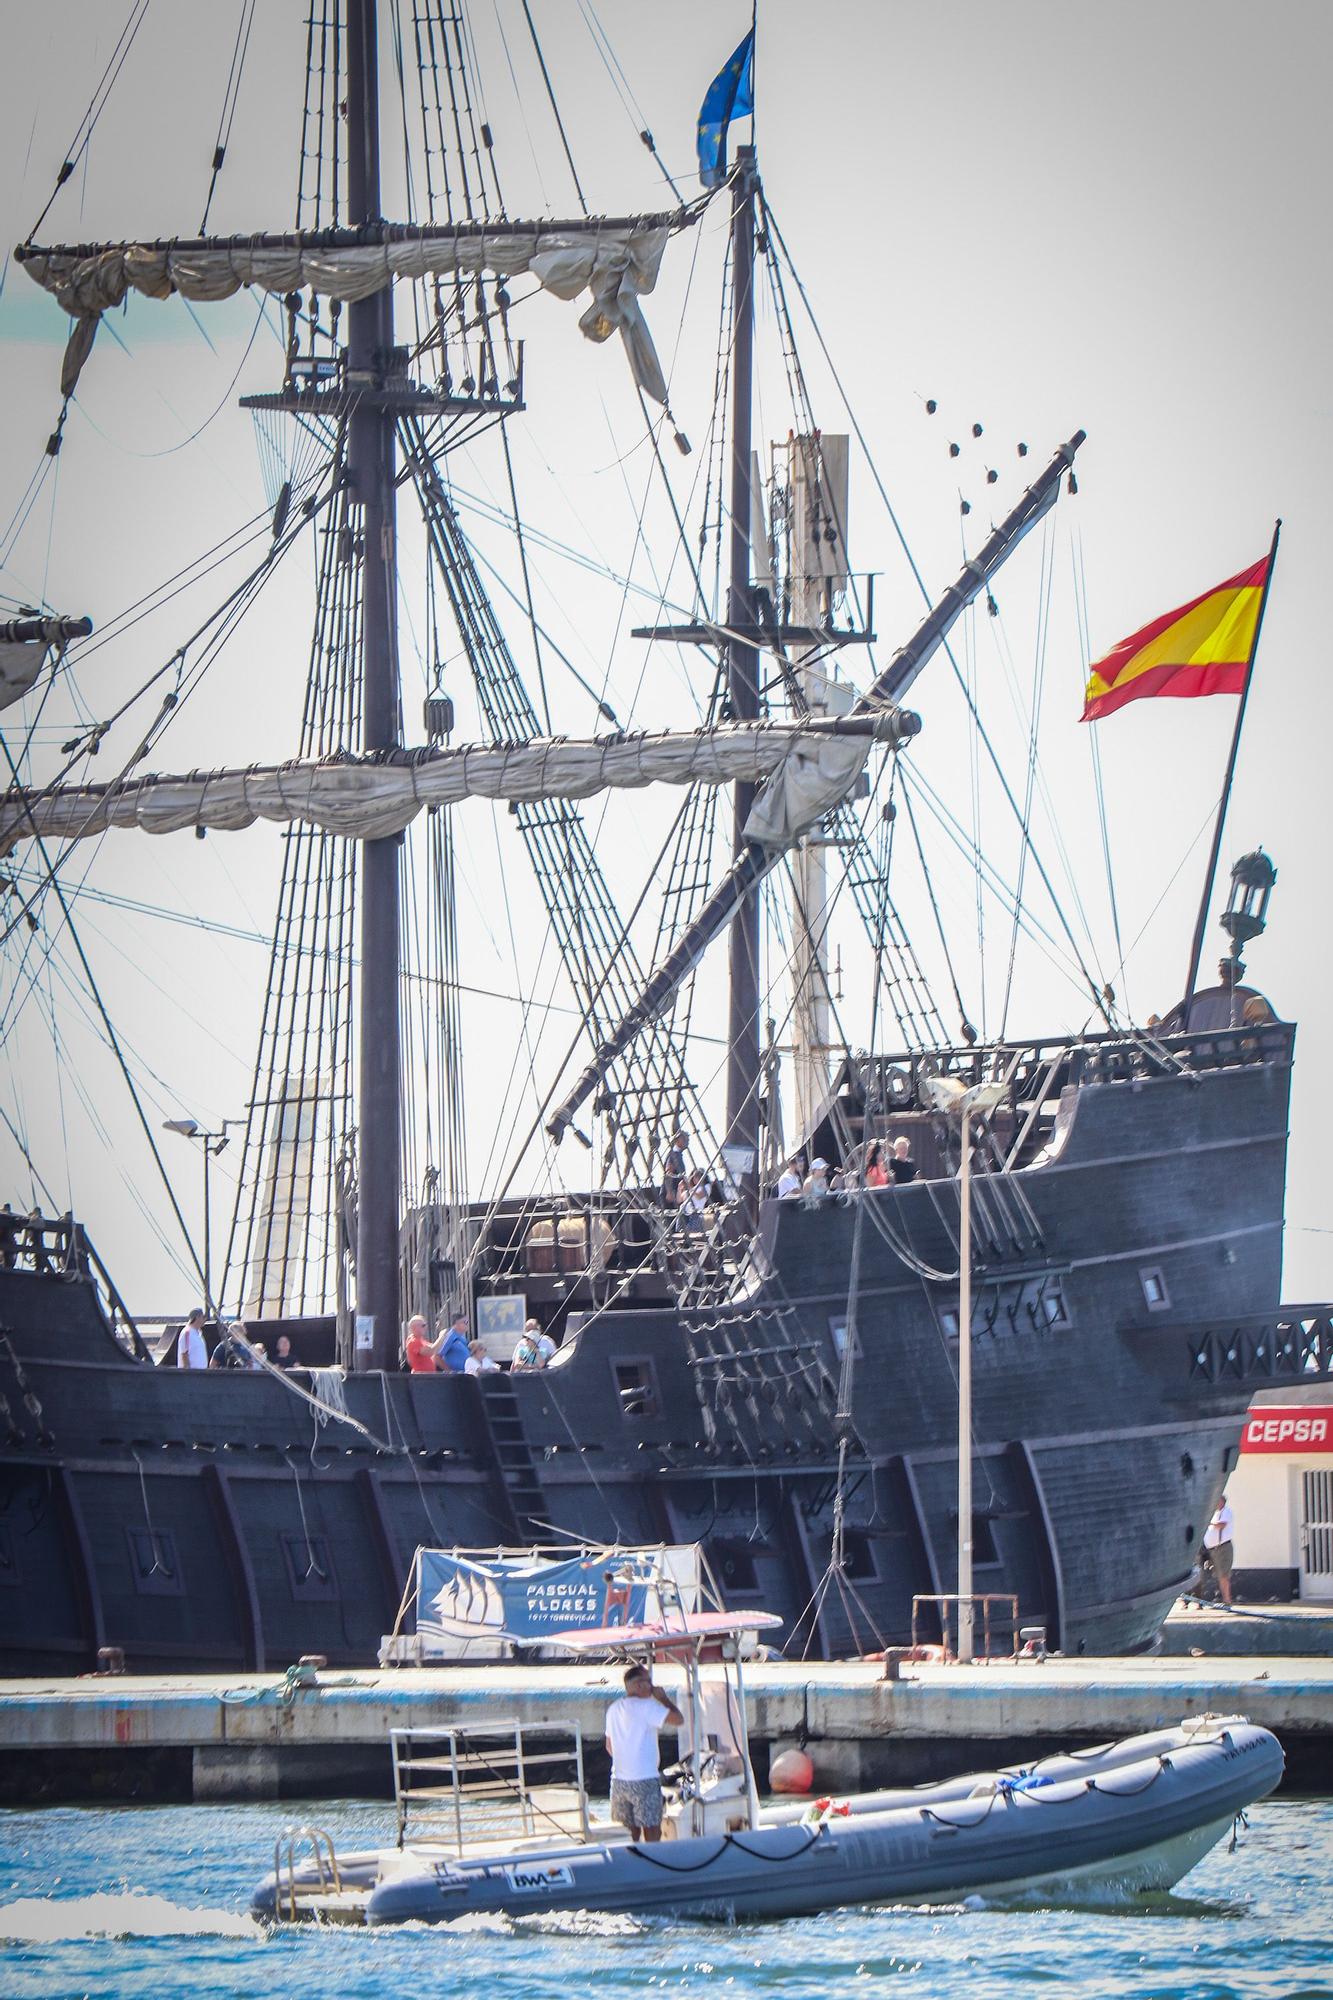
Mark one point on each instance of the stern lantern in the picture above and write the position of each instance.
(1246, 913)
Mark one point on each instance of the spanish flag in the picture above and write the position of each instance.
(1203, 648)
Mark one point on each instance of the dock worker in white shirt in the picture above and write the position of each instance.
(632, 1724)
(1217, 1549)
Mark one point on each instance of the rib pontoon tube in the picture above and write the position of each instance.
(1127, 1819)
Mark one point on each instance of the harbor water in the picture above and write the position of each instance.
(135, 1902)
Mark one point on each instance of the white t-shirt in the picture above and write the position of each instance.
(1219, 1528)
(789, 1183)
(191, 1348)
(632, 1724)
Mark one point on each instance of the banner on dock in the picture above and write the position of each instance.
(527, 1600)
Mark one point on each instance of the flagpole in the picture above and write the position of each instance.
(1196, 950)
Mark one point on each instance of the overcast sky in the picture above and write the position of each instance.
(1044, 216)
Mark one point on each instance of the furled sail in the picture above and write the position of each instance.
(20, 665)
(25, 646)
(372, 797)
(616, 261)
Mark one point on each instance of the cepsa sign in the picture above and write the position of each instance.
(1304, 1427)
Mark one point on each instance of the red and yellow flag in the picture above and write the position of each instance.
(1203, 648)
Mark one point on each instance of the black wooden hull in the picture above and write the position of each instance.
(205, 1521)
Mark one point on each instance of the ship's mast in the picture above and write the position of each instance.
(816, 528)
(743, 1030)
(370, 465)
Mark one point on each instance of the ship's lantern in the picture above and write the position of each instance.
(1246, 913)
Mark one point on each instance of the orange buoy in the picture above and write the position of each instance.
(791, 1771)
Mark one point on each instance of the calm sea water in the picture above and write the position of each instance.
(147, 1903)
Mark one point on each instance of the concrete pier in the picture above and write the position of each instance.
(215, 1737)
(1302, 1629)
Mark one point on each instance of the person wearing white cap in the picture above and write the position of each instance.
(816, 1181)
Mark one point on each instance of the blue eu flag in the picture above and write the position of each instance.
(730, 95)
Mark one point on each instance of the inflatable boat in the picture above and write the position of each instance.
(496, 1817)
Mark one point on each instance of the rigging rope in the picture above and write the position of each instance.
(1095, 742)
(1044, 590)
(113, 1039)
(555, 108)
(230, 98)
(97, 104)
(624, 90)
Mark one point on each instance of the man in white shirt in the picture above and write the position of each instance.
(1217, 1551)
(191, 1350)
(632, 1724)
(791, 1180)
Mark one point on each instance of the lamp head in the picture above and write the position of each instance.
(1246, 913)
(187, 1127)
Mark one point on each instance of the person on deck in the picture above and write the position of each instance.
(420, 1351)
(902, 1166)
(632, 1724)
(479, 1362)
(792, 1179)
(693, 1201)
(454, 1346)
(816, 1181)
(674, 1172)
(875, 1174)
(534, 1349)
(191, 1349)
(251, 1354)
(284, 1354)
(1217, 1551)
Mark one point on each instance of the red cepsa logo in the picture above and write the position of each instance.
(1289, 1430)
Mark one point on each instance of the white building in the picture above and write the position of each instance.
(1282, 1495)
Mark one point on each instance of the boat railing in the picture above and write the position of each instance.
(1290, 1344)
(893, 1082)
(996, 1627)
(327, 1880)
(58, 1246)
(486, 1782)
(884, 1093)
(51, 1245)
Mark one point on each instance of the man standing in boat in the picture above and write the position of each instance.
(632, 1724)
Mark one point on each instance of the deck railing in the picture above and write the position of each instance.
(487, 1781)
(58, 1246)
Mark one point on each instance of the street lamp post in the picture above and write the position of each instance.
(983, 1097)
(210, 1143)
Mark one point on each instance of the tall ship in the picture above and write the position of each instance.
(773, 1371)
